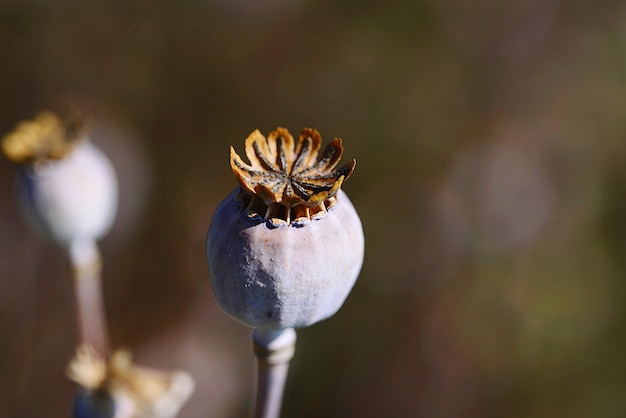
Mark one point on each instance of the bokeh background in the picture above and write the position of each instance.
(491, 183)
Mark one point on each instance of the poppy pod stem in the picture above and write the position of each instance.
(86, 265)
(273, 350)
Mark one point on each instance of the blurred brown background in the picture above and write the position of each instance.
(491, 182)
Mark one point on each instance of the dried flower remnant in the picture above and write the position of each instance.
(138, 392)
(47, 137)
(285, 181)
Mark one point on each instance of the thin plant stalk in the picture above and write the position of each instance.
(273, 350)
(86, 266)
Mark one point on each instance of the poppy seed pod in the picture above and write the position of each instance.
(117, 385)
(67, 186)
(285, 249)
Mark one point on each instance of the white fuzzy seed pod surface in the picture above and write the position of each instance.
(73, 199)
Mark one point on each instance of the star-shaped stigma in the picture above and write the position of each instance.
(285, 181)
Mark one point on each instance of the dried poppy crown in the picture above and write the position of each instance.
(285, 181)
(47, 137)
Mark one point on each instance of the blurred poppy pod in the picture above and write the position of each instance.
(117, 387)
(67, 186)
(286, 247)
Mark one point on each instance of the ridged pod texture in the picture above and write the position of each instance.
(285, 277)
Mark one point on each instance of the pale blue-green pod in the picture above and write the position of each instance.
(283, 277)
(276, 266)
(73, 199)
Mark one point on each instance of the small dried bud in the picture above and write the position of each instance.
(47, 137)
(136, 391)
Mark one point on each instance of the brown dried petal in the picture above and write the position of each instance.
(48, 136)
(285, 155)
(330, 157)
(308, 145)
